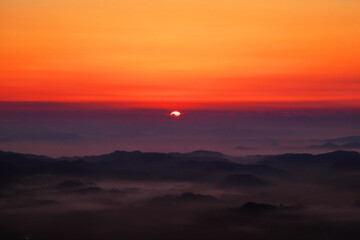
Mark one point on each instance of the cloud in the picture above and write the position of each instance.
(39, 136)
(345, 139)
(327, 145)
(244, 148)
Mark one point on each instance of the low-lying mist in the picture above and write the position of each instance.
(198, 195)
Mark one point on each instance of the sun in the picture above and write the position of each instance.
(175, 114)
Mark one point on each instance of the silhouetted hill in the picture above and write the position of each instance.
(325, 160)
(135, 195)
(12, 156)
(350, 163)
(196, 166)
(206, 154)
(186, 197)
(16, 164)
(338, 156)
(331, 145)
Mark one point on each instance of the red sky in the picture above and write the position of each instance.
(180, 52)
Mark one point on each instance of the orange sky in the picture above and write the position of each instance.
(180, 50)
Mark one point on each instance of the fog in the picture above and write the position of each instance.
(208, 196)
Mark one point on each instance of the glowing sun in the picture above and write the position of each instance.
(175, 114)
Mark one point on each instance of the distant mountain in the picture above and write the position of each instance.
(199, 155)
(200, 165)
(345, 139)
(351, 145)
(195, 166)
(326, 160)
(254, 208)
(11, 157)
(331, 145)
(206, 154)
(13, 165)
(186, 197)
(348, 163)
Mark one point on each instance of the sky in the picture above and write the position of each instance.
(181, 53)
